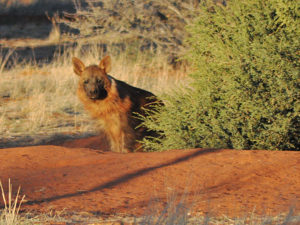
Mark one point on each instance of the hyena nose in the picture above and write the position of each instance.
(94, 92)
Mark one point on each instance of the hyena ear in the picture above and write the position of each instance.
(105, 64)
(78, 66)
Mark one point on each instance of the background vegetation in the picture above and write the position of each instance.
(245, 88)
(151, 24)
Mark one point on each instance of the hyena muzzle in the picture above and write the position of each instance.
(115, 104)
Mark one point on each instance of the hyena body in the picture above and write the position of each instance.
(114, 104)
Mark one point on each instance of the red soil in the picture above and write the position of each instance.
(75, 176)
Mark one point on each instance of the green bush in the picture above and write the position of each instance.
(245, 87)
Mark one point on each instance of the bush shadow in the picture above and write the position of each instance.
(127, 177)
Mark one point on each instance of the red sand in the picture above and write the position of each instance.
(76, 177)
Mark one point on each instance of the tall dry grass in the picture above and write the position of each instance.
(38, 100)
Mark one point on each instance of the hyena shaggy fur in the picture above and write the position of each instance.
(114, 104)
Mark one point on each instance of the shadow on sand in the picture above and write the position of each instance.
(127, 177)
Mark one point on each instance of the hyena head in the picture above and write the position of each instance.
(94, 79)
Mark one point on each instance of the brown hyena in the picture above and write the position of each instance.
(114, 104)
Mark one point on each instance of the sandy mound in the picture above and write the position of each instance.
(75, 176)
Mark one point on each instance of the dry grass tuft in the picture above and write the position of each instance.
(10, 214)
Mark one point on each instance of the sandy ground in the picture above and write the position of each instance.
(79, 176)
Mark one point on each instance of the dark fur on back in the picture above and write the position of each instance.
(141, 100)
(114, 103)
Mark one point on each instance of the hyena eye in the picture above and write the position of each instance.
(86, 81)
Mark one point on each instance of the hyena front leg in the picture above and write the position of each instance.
(118, 140)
